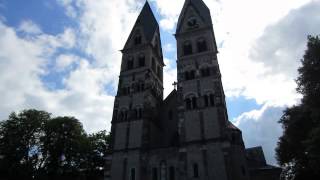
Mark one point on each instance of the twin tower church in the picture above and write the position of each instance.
(186, 136)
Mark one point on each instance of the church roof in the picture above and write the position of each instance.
(200, 7)
(232, 126)
(147, 21)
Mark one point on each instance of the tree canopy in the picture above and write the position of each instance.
(298, 149)
(34, 145)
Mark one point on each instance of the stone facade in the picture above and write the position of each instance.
(188, 134)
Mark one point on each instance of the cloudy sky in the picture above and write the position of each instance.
(63, 56)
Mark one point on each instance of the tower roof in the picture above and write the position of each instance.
(147, 21)
(200, 7)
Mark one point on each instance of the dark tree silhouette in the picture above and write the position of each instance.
(20, 142)
(298, 149)
(35, 146)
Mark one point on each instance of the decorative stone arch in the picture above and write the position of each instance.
(138, 110)
(190, 100)
(123, 113)
(209, 98)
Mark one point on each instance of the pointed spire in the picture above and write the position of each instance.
(147, 21)
(201, 8)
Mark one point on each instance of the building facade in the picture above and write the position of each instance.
(187, 135)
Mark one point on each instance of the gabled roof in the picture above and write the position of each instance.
(201, 9)
(147, 21)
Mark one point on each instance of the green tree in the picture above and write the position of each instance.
(35, 146)
(20, 142)
(97, 150)
(298, 150)
(65, 146)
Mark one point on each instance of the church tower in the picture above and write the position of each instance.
(211, 147)
(140, 92)
(187, 135)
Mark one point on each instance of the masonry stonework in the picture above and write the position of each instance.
(186, 136)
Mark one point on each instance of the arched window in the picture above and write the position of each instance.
(211, 99)
(195, 170)
(154, 173)
(141, 60)
(191, 103)
(115, 115)
(202, 45)
(121, 116)
(190, 75)
(130, 63)
(137, 39)
(186, 75)
(205, 72)
(206, 100)
(163, 171)
(153, 65)
(218, 100)
(171, 173)
(187, 48)
(140, 113)
(170, 115)
(188, 104)
(125, 115)
(159, 72)
(135, 114)
(133, 174)
(194, 103)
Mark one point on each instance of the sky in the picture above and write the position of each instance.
(63, 56)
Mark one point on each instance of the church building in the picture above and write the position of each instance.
(187, 135)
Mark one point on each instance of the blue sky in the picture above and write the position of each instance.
(63, 56)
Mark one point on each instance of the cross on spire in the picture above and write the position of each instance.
(175, 84)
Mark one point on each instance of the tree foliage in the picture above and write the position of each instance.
(33, 145)
(298, 149)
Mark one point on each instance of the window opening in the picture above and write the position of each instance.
(130, 64)
(171, 173)
(133, 174)
(202, 45)
(195, 170)
(137, 40)
(194, 102)
(187, 48)
(154, 173)
(141, 60)
(212, 99)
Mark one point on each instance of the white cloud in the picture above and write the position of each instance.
(103, 29)
(22, 63)
(63, 61)
(238, 26)
(167, 48)
(261, 128)
(248, 54)
(282, 44)
(168, 23)
(30, 27)
(169, 11)
(70, 10)
(83, 95)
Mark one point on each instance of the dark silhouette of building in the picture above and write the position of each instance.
(188, 134)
